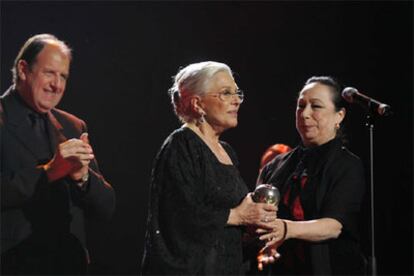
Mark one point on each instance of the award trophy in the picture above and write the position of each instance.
(266, 193)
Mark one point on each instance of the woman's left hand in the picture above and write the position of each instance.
(276, 235)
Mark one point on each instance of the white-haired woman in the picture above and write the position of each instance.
(198, 200)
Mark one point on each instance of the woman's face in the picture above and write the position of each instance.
(221, 111)
(316, 118)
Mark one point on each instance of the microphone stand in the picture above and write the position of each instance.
(375, 109)
(370, 125)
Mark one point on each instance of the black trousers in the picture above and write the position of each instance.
(66, 257)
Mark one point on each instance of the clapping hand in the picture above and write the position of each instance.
(72, 159)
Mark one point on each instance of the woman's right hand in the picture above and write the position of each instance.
(249, 212)
(267, 255)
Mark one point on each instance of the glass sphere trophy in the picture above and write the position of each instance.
(266, 193)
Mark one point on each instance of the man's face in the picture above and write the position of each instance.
(43, 85)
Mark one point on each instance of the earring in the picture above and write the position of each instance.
(337, 126)
(201, 119)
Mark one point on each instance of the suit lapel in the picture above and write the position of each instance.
(55, 129)
(18, 124)
(20, 127)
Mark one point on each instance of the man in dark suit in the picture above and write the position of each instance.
(50, 182)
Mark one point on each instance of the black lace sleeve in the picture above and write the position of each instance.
(184, 194)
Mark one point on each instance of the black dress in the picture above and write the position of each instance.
(190, 200)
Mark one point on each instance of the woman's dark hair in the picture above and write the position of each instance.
(335, 89)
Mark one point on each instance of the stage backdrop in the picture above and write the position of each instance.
(126, 52)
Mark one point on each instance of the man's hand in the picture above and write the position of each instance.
(78, 175)
(72, 158)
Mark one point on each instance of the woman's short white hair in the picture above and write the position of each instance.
(190, 81)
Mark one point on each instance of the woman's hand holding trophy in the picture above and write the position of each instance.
(275, 235)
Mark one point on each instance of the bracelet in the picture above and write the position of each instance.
(285, 230)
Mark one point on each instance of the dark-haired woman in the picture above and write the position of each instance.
(322, 186)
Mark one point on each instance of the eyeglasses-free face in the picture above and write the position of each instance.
(316, 116)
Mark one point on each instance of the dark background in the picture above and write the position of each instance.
(126, 52)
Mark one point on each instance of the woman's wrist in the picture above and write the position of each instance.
(285, 230)
(234, 218)
(289, 234)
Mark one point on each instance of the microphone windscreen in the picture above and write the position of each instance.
(348, 94)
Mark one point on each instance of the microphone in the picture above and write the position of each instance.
(352, 95)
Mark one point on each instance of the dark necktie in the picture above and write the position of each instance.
(39, 126)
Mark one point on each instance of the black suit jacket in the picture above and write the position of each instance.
(47, 216)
